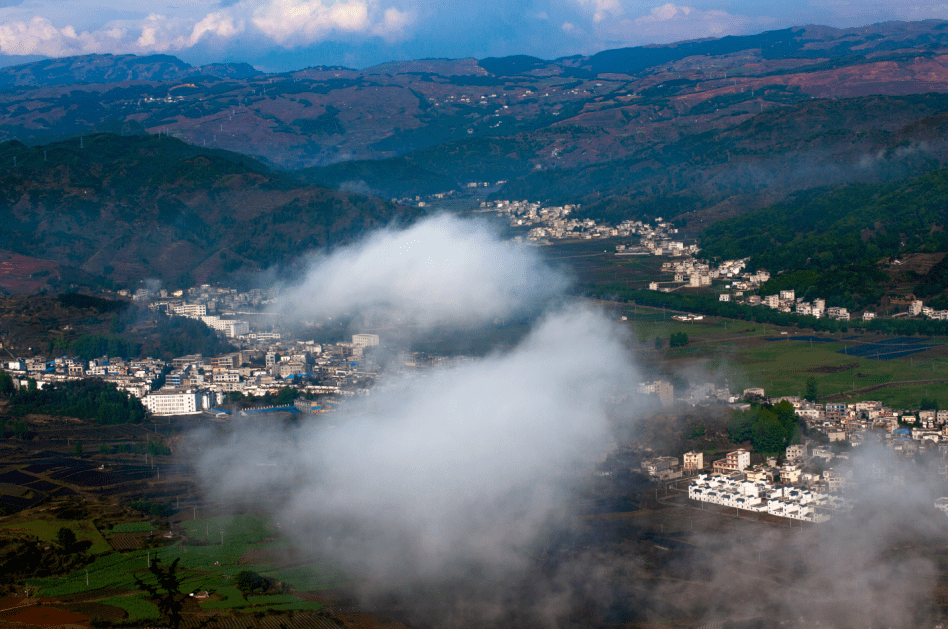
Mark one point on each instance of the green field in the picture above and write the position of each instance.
(205, 565)
(46, 530)
(739, 351)
(138, 608)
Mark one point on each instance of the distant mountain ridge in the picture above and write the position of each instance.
(701, 129)
(115, 69)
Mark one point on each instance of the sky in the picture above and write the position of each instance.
(277, 35)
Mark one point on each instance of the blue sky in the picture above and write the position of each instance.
(287, 34)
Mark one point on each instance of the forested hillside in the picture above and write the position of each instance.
(148, 206)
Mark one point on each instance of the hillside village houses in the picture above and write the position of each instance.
(553, 223)
(804, 485)
(194, 384)
(266, 363)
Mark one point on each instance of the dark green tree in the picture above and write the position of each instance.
(67, 538)
(6, 384)
(248, 582)
(166, 591)
(78, 449)
(658, 342)
(812, 389)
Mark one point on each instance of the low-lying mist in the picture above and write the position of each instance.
(443, 272)
(434, 474)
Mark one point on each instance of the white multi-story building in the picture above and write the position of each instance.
(173, 403)
(365, 340)
(735, 461)
(191, 310)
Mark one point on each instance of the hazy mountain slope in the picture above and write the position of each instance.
(114, 69)
(828, 241)
(757, 162)
(146, 206)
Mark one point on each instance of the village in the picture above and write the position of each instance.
(264, 365)
(811, 480)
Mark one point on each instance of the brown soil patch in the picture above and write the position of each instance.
(126, 541)
(368, 621)
(832, 368)
(43, 616)
(918, 262)
(270, 556)
(92, 595)
(105, 612)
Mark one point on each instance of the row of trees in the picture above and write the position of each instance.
(678, 339)
(84, 399)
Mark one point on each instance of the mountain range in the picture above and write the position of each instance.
(696, 131)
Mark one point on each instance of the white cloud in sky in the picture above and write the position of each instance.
(602, 9)
(31, 29)
(671, 22)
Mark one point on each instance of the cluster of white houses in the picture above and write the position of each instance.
(761, 496)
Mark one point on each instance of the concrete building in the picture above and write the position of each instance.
(190, 310)
(173, 403)
(693, 461)
(796, 452)
(365, 340)
(735, 461)
(663, 389)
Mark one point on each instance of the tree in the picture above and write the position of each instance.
(67, 538)
(6, 384)
(166, 592)
(812, 389)
(248, 581)
(658, 342)
(104, 449)
(78, 449)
